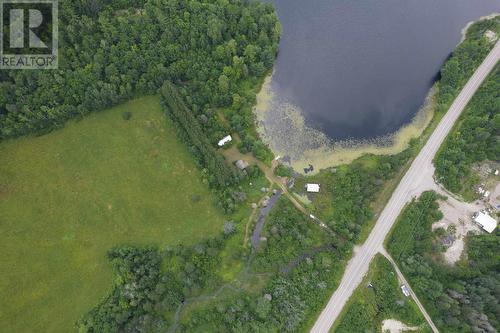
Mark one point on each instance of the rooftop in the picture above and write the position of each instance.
(312, 188)
(486, 222)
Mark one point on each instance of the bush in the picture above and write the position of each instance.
(283, 171)
(126, 115)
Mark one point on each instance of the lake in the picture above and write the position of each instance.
(358, 70)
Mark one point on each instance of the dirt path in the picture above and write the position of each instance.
(233, 154)
(402, 280)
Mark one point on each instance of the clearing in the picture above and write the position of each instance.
(395, 326)
(67, 197)
(457, 221)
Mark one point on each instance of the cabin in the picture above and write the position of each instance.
(312, 188)
(486, 222)
(225, 140)
(242, 165)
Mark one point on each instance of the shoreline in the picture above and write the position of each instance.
(284, 130)
(318, 150)
(469, 24)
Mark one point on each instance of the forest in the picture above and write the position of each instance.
(204, 56)
(111, 51)
(144, 291)
(462, 298)
(475, 138)
(296, 268)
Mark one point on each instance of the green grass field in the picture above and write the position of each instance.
(69, 196)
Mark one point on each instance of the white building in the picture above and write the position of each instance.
(313, 188)
(225, 140)
(486, 222)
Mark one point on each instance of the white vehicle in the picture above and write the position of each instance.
(225, 140)
(405, 290)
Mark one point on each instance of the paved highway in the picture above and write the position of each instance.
(414, 182)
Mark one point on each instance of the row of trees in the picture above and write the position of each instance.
(221, 177)
(111, 51)
(461, 298)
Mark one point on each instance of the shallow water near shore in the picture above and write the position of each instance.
(353, 77)
(283, 127)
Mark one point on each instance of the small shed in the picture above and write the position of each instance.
(225, 140)
(242, 165)
(312, 188)
(485, 221)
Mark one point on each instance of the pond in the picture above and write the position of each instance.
(357, 71)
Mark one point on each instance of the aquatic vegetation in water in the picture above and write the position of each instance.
(282, 126)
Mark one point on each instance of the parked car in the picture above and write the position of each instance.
(405, 290)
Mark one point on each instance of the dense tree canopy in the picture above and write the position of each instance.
(475, 139)
(112, 50)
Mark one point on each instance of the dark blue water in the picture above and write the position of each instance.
(362, 69)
